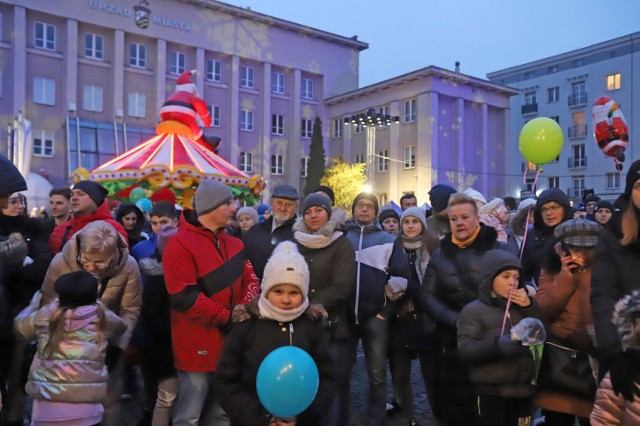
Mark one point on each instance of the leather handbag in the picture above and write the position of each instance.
(564, 368)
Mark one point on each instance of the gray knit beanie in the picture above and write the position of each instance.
(249, 211)
(418, 213)
(210, 195)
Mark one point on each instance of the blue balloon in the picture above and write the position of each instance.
(287, 381)
(144, 204)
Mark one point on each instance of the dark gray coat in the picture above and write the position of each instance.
(479, 327)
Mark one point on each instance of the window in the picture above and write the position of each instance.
(277, 84)
(214, 112)
(277, 124)
(613, 180)
(551, 69)
(577, 62)
(246, 77)
(613, 82)
(579, 156)
(529, 75)
(553, 94)
(307, 128)
(383, 161)
(93, 46)
(554, 182)
(410, 111)
(579, 128)
(138, 55)
(359, 158)
(530, 98)
(137, 104)
(578, 186)
(177, 62)
(277, 164)
(555, 118)
(246, 120)
(578, 93)
(304, 167)
(410, 157)
(92, 98)
(357, 128)
(44, 90)
(307, 88)
(45, 36)
(214, 70)
(246, 162)
(383, 111)
(43, 143)
(337, 128)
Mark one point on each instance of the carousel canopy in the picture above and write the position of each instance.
(170, 160)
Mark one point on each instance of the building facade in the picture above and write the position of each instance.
(91, 76)
(564, 87)
(452, 128)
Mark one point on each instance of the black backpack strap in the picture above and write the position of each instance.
(65, 236)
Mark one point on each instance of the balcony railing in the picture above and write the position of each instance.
(577, 99)
(577, 162)
(529, 109)
(579, 131)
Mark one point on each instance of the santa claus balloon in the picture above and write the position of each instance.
(610, 129)
(182, 108)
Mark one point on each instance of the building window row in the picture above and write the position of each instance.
(277, 165)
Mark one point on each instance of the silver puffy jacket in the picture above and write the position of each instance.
(76, 371)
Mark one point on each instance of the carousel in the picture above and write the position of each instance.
(178, 158)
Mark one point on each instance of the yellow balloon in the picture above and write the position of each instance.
(541, 140)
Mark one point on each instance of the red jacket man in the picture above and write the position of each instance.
(88, 203)
(206, 275)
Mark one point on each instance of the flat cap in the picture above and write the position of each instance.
(285, 191)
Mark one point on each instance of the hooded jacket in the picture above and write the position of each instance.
(246, 347)
(479, 327)
(63, 232)
(332, 263)
(377, 259)
(207, 275)
(76, 371)
(260, 241)
(540, 239)
(120, 285)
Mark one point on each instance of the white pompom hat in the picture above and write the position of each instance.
(286, 266)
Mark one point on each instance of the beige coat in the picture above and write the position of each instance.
(123, 292)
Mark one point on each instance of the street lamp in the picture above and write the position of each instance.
(371, 120)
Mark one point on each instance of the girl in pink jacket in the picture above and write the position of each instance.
(610, 408)
(68, 376)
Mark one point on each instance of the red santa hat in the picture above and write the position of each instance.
(185, 83)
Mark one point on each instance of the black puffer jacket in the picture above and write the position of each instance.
(540, 239)
(479, 327)
(246, 347)
(453, 276)
(616, 273)
(259, 242)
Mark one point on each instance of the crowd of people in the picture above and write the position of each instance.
(195, 299)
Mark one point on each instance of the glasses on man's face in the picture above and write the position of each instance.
(98, 264)
(550, 209)
(364, 206)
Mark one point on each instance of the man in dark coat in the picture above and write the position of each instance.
(263, 237)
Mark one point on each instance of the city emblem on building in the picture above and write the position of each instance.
(143, 14)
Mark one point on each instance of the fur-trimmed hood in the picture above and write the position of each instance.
(626, 317)
(13, 250)
(241, 313)
(151, 266)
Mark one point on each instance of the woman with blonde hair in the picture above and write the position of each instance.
(616, 270)
(100, 250)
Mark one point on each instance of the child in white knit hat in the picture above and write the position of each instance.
(280, 316)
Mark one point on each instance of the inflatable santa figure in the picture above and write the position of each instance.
(610, 129)
(184, 105)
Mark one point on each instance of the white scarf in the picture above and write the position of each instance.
(267, 310)
(316, 241)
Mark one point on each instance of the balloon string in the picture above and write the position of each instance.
(524, 241)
